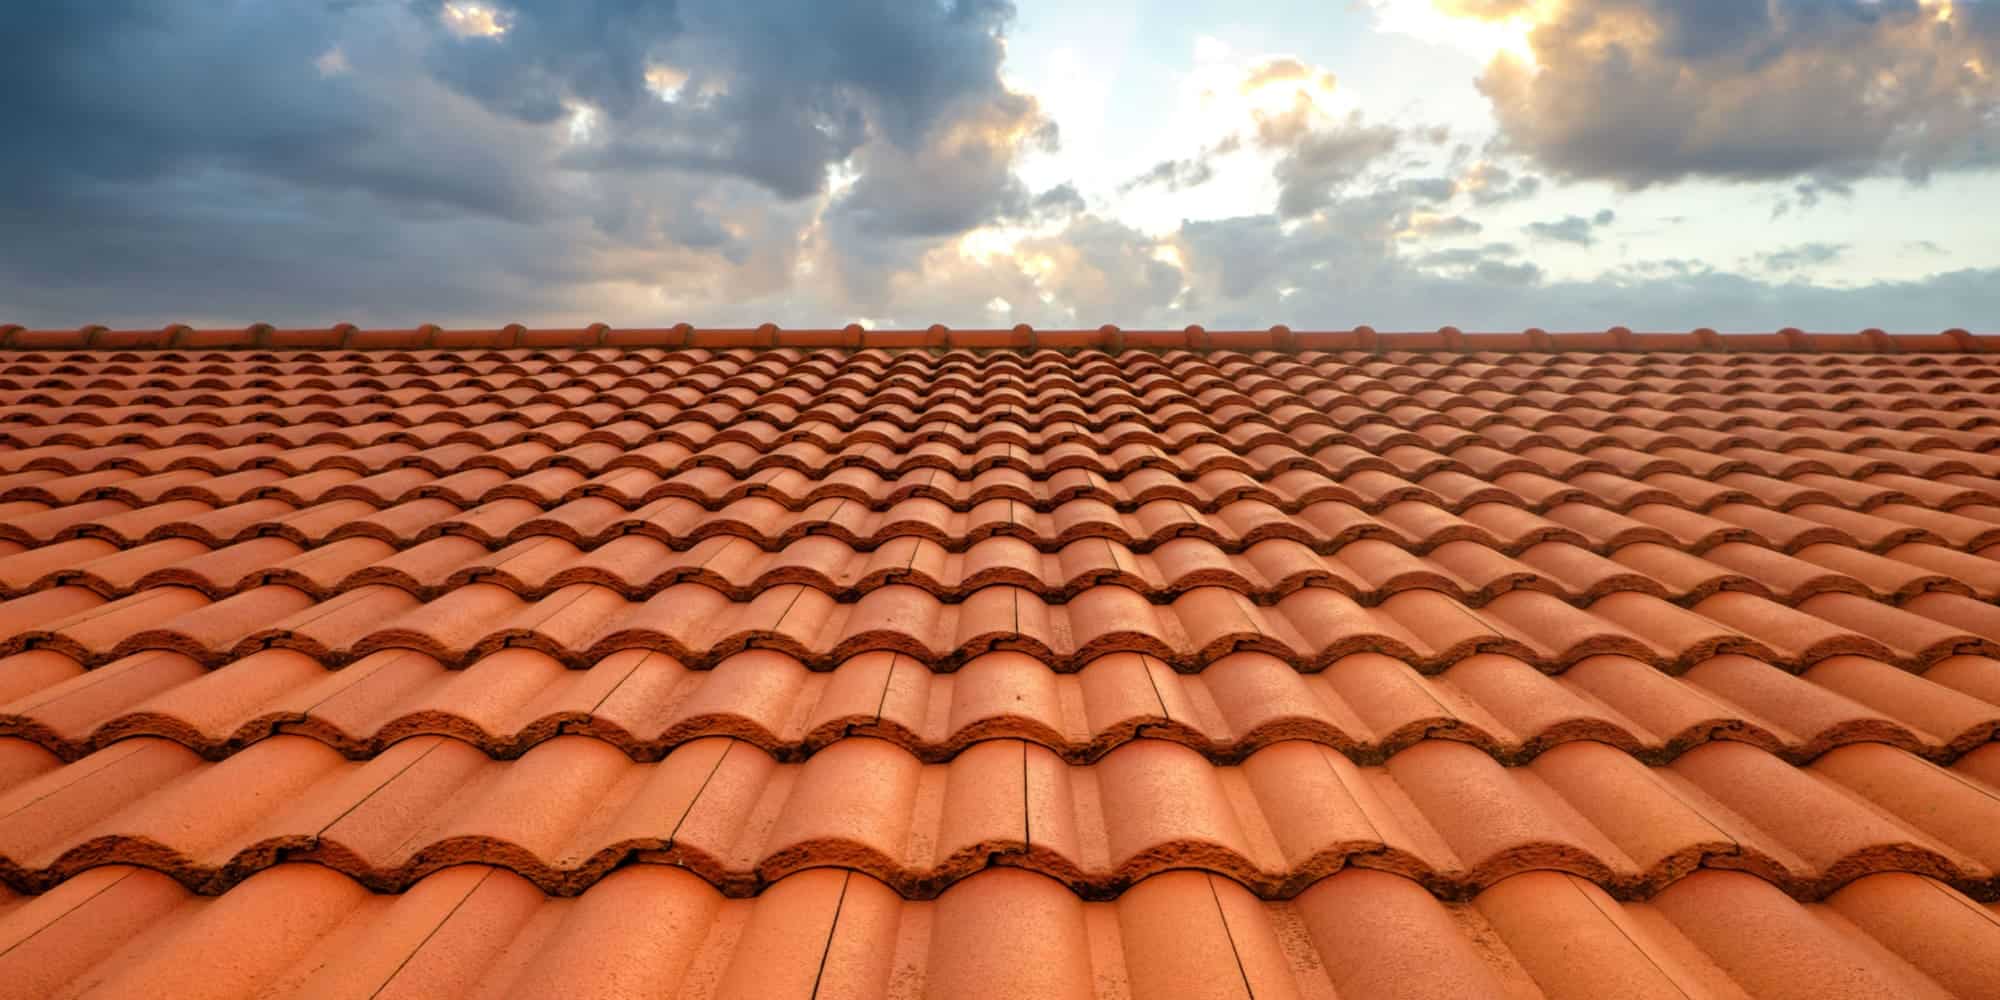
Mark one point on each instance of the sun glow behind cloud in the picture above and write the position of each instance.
(987, 242)
(473, 20)
(1450, 23)
(1227, 90)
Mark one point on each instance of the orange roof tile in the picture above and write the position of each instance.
(749, 663)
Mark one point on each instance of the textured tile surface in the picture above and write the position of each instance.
(767, 663)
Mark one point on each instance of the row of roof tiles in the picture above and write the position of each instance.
(1318, 512)
(1497, 451)
(1366, 706)
(639, 566)
(943, 416)
(1187, 450)
(893, 376)
(801, 472)
(1222, 506)
(1312, 627)
(1117, 449)
(1021, 336)
(1291, 814)
(655, 931)
(1110, 384)
(1059, 397)
(1886, 389)
(1323, 529)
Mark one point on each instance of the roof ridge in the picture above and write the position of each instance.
(1618, 339)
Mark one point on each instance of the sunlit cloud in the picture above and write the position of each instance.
(666, 81)
(582, 123)
(473, 20)
(1484, 29)
(670, 84)
(1642, 92)
(332, 62)
(1228, 89)
(987, 242)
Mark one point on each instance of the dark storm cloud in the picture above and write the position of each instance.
(238, 159)
(554, 52)
(127, 91)
(776, 91)
(1753, 89)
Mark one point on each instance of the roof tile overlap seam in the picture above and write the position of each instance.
(1510, 710)
(1441, 813)
(1312, 627)
(1329, 542)
(1358, 932)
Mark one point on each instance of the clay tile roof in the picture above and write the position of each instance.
(767, 663)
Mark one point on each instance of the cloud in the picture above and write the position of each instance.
(1173, 175)
(1285, 69)
(129, 92)
(959, 180)
(1641, 92)
(1442, 227)
(1453, 258)
(1801, 257)
(1317, 160)
(1176, 175)
(241, 160)
(1344, 271)
(1059, 202)
(1487, 10)
(1490, 184)
(785, 88)
(1575, 229)
(1285, 110)
(1807, 196)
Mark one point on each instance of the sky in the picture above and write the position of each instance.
(1407, 164)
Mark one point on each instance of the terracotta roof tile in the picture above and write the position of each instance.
(960, 663)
